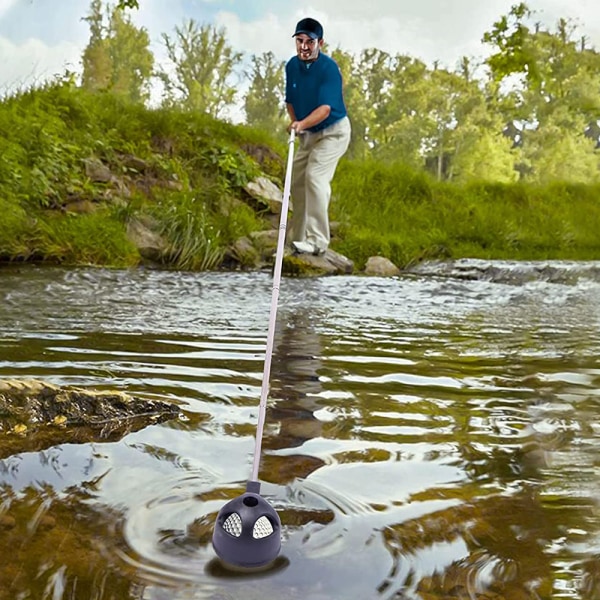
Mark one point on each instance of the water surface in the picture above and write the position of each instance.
(429, 436)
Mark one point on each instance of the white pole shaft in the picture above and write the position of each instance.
(264, 392)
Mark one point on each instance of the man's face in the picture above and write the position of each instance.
(307, 48)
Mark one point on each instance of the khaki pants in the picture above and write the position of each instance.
(315, 162)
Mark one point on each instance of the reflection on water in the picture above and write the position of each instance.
(428, 436)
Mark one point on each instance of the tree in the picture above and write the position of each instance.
(558, 150)
(554, 93)
(381, 92)
(510, 37)
(97, 68)
(117, 57)
(123, 4)
(360, 112)
(374, 70)
(479, 149)
(202, 67)
(263, 102)
(483, 154)
(450, 104)
(546, 63)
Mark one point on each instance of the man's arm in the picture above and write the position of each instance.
(314, 118)
(291, 113)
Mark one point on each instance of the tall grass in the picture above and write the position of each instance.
(405, 215)
(15, 231)
(97, 239)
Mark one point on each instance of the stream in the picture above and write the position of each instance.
(428, 436)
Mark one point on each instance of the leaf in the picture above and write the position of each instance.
(123, 4)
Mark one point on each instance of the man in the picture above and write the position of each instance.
(316, 108)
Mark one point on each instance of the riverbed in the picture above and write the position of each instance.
(432, 435)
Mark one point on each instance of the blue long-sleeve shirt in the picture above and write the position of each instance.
(310, 85)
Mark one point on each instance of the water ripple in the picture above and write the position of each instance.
(429, 435)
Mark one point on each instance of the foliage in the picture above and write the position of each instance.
(117, 57)
(14, 232)
(192, 238)
(361, 112)
(202, 65)
(559, 153)
(98, 239)
(511, 38)
(233, 167)
(441, 163)
(192, 167)
(556, 99)
(36, 144)
(263, 102)
(483, 155)
(447, 121)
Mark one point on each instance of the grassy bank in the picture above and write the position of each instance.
(77, 170)
(407, 216)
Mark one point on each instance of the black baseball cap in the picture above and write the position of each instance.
(310, 27)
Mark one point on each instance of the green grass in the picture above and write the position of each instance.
(405, 215)
(195, 167)
(15, 231)
(97, 239)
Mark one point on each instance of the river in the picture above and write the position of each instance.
(433, 435)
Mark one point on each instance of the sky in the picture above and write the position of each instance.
(43, 38)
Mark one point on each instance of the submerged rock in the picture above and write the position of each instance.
(35, 415)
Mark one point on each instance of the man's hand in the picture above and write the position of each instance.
(296, 126)
(316, 116)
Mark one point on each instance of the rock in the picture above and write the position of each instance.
(164, 145)
(173, 185)
(229, 205)
(381, 267)
(120, 191)
(266, 191)
(35, 415)
(330, 263)
(150, 244)
(97, 171)
(270, 163)
(265, 243)
(244, 253)
(81, 207)
(334, 228)
(265, 237)
(134, 163)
